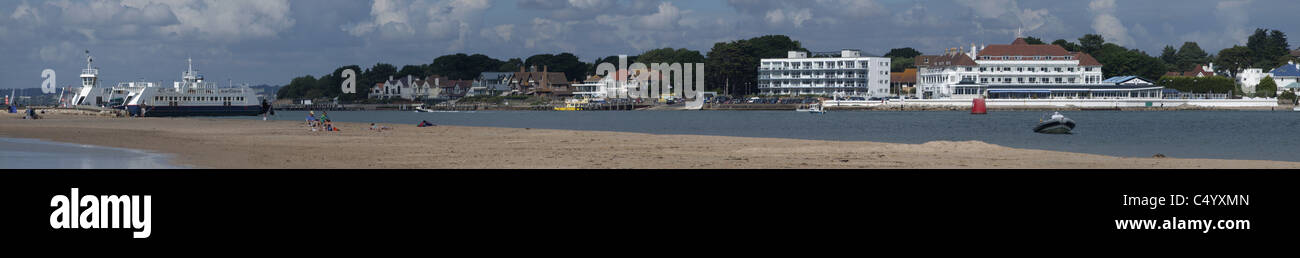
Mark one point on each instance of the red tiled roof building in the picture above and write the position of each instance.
(1018, 63)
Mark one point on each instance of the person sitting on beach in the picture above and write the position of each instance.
(379, 127)
(426, 123)
(311, 118)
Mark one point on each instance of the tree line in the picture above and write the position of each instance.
(733, 65)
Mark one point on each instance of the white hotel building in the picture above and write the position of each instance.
(850, 74)
(1019, 65)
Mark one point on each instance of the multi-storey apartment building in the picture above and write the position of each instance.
(1017, 64)
(849, 74)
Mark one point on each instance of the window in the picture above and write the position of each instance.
(982, 69)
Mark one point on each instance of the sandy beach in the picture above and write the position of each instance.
(225, 143)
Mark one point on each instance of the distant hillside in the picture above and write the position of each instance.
(266, 90)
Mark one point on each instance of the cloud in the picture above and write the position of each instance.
(500, 32)
(1109, 26)
(797, 13)
(1112, 29)
(422, 19)
(212, 20)
(796, 17)
(25, 11)
(646, 31)
(916, 15)
(1006, 16)
(665, 18)
(1234, 16)
(551, 33)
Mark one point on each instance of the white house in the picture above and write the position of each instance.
(409, 88)
(1249, 78)
(850, 74)
(1285, 75)
(1016, 64)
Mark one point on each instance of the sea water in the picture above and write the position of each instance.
(20, 153)
(1251, 135)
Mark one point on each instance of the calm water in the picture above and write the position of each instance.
(16, 153)
(1259, 135)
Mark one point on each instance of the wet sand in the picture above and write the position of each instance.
(226, 143)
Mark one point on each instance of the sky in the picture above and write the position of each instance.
(273, 41)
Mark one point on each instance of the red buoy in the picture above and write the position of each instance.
(977, 107)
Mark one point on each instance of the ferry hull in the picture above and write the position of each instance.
(173, 111)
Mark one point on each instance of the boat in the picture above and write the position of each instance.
(812, 108)
(572, 105)
(422, 109)
(91, 95)
(1297, 108)
(1058, 124)
(192, 96)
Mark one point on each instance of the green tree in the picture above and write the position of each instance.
(668, 55)
(1034, 41)
(1268, 49)
(363, 90)
(1090, 43)
(566, 63)
(774, 46)
(1233, 59)
(1169, 55)
(906, 52)
(1288, 96)
(412, 70)
(612, 60)
(733, 66)
(378, 73)
(462, 66)
(900, 64)
(1212, 84)
(726, 65)
(1190, 56)
(1267, 87)
(511, 65)
(1068, 46)
(300, 87)
(1119, 61)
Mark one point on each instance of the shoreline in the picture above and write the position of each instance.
(235, 143)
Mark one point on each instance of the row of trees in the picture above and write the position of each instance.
(902, 58)
(1264, 49)
(733, 66)
(1216, 84)
(453, 67)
